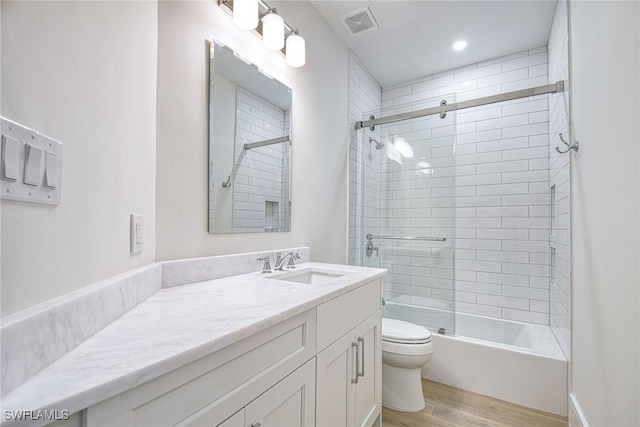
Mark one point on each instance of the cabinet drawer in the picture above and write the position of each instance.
(343, 313)
(218, 384)
(290, 403)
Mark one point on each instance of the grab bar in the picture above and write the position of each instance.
(428, 239)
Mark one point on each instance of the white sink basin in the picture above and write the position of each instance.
(310, 276)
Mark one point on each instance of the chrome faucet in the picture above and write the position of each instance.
(289, 259)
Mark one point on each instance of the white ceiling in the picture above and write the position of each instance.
(416, 37)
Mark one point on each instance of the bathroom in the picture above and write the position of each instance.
(124, 87)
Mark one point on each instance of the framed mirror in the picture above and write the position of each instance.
(249, 147)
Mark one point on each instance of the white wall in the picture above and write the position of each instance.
(605, 38)
(224, 129)
(83, 73)
(319, 129)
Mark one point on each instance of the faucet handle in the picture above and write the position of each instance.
(292, 263)
(266, 268)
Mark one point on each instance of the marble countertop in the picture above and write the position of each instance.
(172, 328)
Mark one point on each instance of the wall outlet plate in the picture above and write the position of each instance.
(136, 233)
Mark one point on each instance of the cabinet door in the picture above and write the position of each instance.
(368, 390)
(235, 420)
(290, 403)
(334, 403)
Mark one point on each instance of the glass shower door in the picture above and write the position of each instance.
(408, 214)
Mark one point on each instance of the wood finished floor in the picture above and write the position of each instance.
(448, 406)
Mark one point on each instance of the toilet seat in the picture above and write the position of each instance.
(399, 332)
(407, 349)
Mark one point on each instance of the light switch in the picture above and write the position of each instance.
(11, 148)
(32, 161)
(50, 169)
(137, 230)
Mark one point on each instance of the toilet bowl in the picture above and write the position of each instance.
(406, 348)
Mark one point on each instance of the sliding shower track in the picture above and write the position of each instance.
(444, 107)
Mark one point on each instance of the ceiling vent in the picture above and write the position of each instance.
(360, 21)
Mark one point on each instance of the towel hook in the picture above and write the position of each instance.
(570, 147)
(227, 184)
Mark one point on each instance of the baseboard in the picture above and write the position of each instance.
(576, 416)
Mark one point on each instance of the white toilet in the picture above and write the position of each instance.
(406, 348)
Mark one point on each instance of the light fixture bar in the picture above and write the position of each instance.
(262, 3)
(268, 8)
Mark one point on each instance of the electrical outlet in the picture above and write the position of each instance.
(136, 233)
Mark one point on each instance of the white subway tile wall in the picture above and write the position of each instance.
(560, 239)
(498, 200)
(364, 96)
(261, 174)
(495, 205)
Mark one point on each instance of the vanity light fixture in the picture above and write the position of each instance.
(241, 58)
(295, 50)
(275, 32)
(245, 14)
(267, 75)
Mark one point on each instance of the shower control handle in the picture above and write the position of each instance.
(369, 248)
(354, 348)
(361, 341)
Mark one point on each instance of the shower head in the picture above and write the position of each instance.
(379, 145)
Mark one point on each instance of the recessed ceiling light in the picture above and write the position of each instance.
(459, 45)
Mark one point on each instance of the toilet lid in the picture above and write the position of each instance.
(397, 331)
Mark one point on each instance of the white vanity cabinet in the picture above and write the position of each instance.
(214, 388)
(291, 402)
(349, 373)
(320, 368)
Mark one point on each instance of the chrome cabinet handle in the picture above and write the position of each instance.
(256, 423)
(361, 341)
(354, 347)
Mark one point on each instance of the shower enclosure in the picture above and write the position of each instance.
(474, 171)
(408, 206)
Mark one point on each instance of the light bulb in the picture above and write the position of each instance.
(295, 50)
(273, 31)
(459, 45)
(245, 14)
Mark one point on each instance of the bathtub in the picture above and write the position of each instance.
(513, 361)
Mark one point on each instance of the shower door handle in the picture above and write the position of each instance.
(361, 353)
